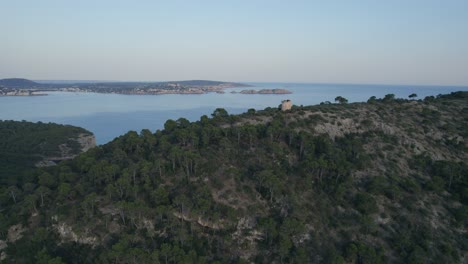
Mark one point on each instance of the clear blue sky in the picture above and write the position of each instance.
(391, 42)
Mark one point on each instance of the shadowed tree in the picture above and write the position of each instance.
(341, 100)
(220, 112)
(13, 191)
(269, 181)
(46, 179)
(170, 125)
(42, 191)
(372, 100)
(388, 98)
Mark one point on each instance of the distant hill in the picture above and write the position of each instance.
(24, 144)
(18, 83)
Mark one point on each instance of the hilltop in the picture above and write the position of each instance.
(377, 182)
(18, 83)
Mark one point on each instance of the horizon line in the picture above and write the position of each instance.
(280, 82)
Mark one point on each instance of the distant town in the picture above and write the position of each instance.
(24, 87)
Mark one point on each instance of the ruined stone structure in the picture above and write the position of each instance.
(286, 105)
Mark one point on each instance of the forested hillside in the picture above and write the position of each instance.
(18, 83)
(378, 182)
(24, 144)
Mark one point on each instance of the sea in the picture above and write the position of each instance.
(111, 115)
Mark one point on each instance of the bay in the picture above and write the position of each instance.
(111, 115)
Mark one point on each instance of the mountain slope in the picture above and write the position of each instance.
(24, 145)
(18, 83)
(378, 182)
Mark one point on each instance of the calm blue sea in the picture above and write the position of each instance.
(110, 115)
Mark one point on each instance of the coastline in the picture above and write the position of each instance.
(183, 91)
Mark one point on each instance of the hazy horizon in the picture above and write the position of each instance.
(360, 42)
(244, 82)
(71, 81)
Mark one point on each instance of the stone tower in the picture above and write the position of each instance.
(286, 105)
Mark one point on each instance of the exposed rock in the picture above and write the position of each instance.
(67, 234)
(3, 244)
(340, 128)
(109, 210)
(45, 163)
(15, 232)
(246, 223)
(148, 225)
(300, 239)
(199, 220)
(86, 142)
(247, 237)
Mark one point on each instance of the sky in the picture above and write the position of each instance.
(378, 42)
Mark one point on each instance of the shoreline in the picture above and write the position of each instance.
(163, 92)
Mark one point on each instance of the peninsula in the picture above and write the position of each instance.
(24, 87)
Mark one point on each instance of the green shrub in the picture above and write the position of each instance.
(365, 203)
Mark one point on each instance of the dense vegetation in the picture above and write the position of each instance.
(18, 83)
(22, 144)
(380, 182)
